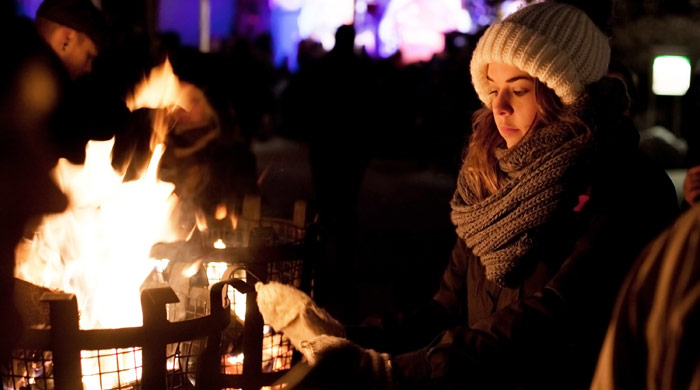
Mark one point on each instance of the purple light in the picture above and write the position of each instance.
(482, 14)
(293, 20)
(285, 36)
(182, 17)
(28, 7)
(286, 5)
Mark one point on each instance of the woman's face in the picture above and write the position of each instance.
(513, 101)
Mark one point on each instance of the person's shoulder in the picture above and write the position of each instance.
(649, 174)
(633, 179)
(652, 187)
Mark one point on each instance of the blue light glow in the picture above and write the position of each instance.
(284, 31)
(28, 7)
(182, 17)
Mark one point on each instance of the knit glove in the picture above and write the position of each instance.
(338, 363)
(292, 312)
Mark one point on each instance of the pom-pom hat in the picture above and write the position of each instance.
(556, 43)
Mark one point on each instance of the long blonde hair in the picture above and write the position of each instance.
(480, 161)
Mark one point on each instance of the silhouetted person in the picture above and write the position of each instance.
(26, 189)
(340, 123)
(74, 32)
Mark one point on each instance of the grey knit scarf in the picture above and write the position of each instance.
(501, 229)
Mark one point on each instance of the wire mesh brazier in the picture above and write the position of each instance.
(191, 345)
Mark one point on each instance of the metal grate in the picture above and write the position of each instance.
(183, 363)
(118, 368)
(29, 369)
(66, 357)
(199, 343)
(277, 251)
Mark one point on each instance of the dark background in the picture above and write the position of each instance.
(385, 167)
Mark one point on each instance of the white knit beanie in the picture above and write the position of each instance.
(556, 43)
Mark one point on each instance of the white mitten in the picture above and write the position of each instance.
(341, 364)
(292, 312)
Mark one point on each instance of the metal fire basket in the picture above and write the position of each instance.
(189, 352)
(271, 249)
(52, 357)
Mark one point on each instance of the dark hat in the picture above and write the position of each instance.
(80, 15)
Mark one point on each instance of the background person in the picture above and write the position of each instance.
(29, 91)
(652, 341)
(691, 185)
(74, 30)
(75, 33)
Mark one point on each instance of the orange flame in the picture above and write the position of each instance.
(99, 247)
(234, 221)
(220, 212)
(200, 220)
(161, 89)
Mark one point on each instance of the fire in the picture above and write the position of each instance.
(221, 212)
(98, 249)
(162, 89)
(192, 269)
(219, 244)
(201, 221)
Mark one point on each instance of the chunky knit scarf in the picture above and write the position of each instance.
(501, 229)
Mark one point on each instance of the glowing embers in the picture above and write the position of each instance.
(29, 369)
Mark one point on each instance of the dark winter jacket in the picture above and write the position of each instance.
(546, 332)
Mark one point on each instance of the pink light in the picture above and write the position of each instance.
(319, 19)
(416, 27)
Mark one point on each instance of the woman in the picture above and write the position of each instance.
(552, 205)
